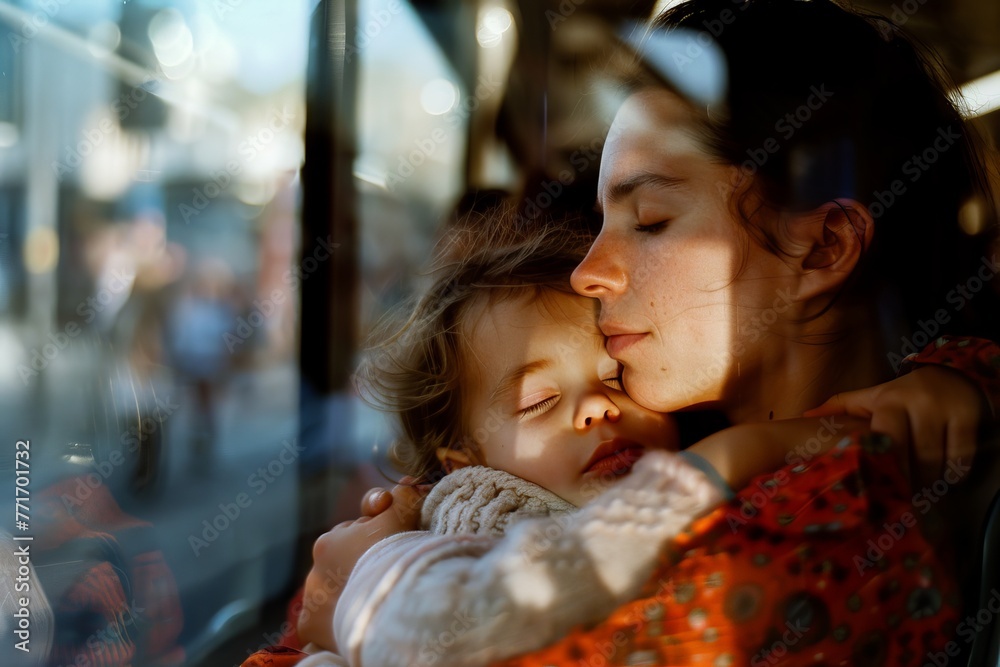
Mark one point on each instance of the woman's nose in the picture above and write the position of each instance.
(599, 272)
(595, 409)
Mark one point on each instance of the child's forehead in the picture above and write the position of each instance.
(512, 339)
(543, 325)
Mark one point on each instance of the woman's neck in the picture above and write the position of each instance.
(801, 371)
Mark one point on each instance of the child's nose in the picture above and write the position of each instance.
(594, 409)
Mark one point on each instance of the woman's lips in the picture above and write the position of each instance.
(618, 343)
(616, 457)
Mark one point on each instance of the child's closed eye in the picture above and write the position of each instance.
(541, 406)
(615, 382)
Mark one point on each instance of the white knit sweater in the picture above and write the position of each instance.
(459, 594)
(485, 501)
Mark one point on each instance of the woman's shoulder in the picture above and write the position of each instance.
(823, 491)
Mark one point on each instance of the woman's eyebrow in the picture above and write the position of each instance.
(512, 379)
(621, 189)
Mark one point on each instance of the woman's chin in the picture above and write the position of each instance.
(645, 390)
(654, 391)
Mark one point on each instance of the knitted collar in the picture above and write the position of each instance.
(485, 501)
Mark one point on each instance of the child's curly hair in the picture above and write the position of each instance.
(416, 370)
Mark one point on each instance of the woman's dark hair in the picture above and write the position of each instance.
(417, 370)
(880, 130)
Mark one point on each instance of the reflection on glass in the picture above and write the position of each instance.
(148, 210)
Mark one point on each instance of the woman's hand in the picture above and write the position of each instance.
(337, 551)
(934, 409)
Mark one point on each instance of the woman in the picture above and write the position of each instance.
(812, 222)
(761, 286)
(751, 260)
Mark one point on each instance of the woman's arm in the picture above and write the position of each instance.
(444, 600)
(741, 453)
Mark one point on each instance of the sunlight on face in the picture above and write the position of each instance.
(667, 263)
(545, 399)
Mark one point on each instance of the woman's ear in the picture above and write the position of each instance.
(828, 243)
(453, 459)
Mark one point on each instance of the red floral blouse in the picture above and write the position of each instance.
(819, 563)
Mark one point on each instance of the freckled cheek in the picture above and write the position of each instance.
(698, 279)
(665, 302)
(647, 287)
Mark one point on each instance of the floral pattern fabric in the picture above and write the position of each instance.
(819, 563)
(977, 359)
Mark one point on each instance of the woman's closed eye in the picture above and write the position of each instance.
(652, 227)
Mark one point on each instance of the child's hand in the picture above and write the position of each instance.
(337, 551)
(934, 410)
(383, 514)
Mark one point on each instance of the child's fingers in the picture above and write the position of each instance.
(378, 500)
(408, 501)
(375, 502)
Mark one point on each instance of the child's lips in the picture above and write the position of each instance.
(615, 456)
